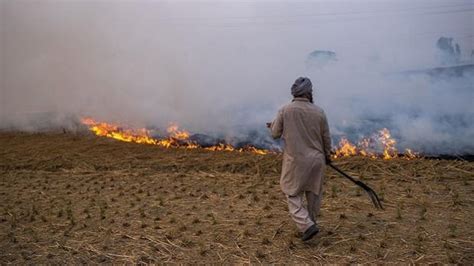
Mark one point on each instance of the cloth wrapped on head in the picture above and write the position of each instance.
(301, 87)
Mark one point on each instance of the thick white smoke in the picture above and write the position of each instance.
(226, 67)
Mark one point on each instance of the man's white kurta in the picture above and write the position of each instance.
(304, 129)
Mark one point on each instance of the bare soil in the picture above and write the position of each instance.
(78, 198)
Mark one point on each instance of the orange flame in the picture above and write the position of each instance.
(345, 149)
(176, 138)
(381, 143)
(174, 132)
(409, 154)
(118, 133)
(389, 150)
(221, 147)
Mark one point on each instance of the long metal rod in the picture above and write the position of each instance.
(373, 196)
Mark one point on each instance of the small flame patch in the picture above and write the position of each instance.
(381, 144)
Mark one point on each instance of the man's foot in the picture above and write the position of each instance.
(310, 232)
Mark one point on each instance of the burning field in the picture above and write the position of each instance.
(82, 198)
(92, 171)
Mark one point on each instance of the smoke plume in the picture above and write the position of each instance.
(224, 68)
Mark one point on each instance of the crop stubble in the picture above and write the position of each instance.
(83, 199)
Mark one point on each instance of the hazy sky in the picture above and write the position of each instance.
(215, 65)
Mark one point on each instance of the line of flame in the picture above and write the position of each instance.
(178, 138)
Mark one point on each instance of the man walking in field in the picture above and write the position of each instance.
(304, 128)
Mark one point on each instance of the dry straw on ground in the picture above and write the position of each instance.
(83, 199)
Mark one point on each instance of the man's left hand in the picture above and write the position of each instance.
(328, 159)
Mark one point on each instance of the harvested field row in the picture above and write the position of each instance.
(83, 199)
